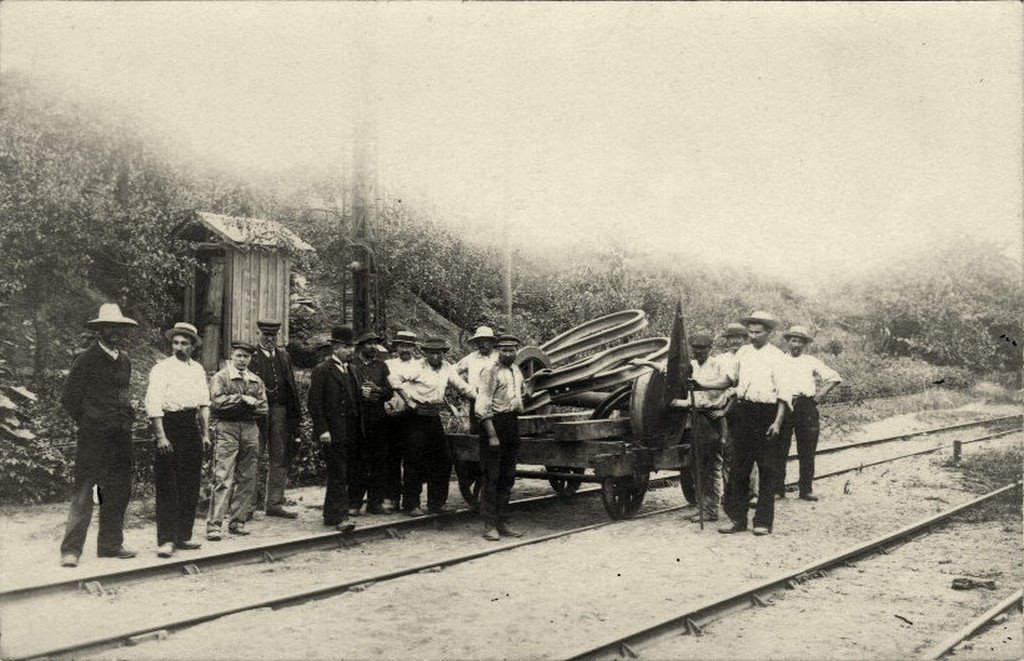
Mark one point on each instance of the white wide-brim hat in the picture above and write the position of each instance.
(110, 314)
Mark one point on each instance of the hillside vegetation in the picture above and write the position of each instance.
(87, 200)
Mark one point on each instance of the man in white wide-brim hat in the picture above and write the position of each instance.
(401, 368)
(804, 373)
(470, 367)
(178, 405)
(97, 398)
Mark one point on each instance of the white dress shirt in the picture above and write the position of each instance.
(400, 371)
(472, 365)
(501, 391)
(176, 385)
(428, 385)
(761, 374)
(712, 370)
(801, 372)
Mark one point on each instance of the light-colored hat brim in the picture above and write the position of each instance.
(802, 336)
(770, 323)
(123, 321)
(171, 332)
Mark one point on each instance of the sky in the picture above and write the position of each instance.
(804, 141)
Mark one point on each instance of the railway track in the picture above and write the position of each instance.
(691, 621)
(974, 627)
(279, 550)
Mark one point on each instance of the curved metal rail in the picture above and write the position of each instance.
(594, 333)
(648, 349)
(688, 622)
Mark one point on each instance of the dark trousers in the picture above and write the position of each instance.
(751, 446)
(376, 441)
(426, 460)
(336, 496)
(707, 432)
(803, 422)
(178, 475)
(394, 432)
(104, 459)
(498, 468)
(358, 463)
(469, 472)
(275, 436)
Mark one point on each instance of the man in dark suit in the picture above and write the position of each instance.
(368, 477)
(280, 432)
(334, 406)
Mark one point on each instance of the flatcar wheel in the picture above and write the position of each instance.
(623, 496)
(686, 483)
(565, 487)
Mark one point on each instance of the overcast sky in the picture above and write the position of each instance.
(803, 140)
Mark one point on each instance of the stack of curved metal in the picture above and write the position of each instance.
(565, 370)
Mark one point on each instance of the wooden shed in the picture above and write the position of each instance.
(246, 277)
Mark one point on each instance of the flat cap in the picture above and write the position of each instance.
(435, 344)
(735, 330)
(700, 339)
(244, 346)
(268, 325)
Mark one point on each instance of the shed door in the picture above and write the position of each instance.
(259, 290)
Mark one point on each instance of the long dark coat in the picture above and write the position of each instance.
(263, 367)
(333, 402)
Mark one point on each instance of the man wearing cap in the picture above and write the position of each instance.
(279, 433)
(426, 452)
(706, 424)
(178, 405)
(238, 401)
(400, 368)
(367, 468)
(96, 397)
(498, 405)
(735, 337)
(469, 368)
(334, 406)
(804, 373)
(761, 402)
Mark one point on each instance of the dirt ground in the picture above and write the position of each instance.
(535, 602)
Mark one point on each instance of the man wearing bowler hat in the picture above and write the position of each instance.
(367, 468)
(279, 433)
(334, 406)
(400, 368)
(238, 402)
(178, 405)
(804, 373)
(498, 405)
(761, 403)
(96, 397)
(470, 368)
(426, 453)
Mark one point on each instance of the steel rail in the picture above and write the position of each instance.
(687, 621)
(599, 362)
(947, 645)
(594, 333)
(302, 596)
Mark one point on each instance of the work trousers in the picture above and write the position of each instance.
(178, 475)
(803, 422)
(395, 429)
(336, 496)
(360, 455)
(275, 435)
(727, 438)
(706, 432)
(377, 441)
(751, 446)
(469, 471)
(498, 468)
(104, 459)
(426, 460)
(235, 455)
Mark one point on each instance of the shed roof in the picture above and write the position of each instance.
(248, 231)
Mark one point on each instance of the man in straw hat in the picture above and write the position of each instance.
(761, 402)
(279, 432)
(498, 405)
(238, 401)
(400, 368)
(96, 397)
(470, 368)
(804, 373)
(426, 453)
(735, 337)
(178, 405)
(334, 406)
(367, 468)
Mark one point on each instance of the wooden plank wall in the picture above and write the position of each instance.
(259, 287)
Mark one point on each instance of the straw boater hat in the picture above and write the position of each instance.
(735, 330)
(182, 328)
(761, 317)
(435, 344)
(700, 339)
(406, 337)
(798, 331)
(482, 333)
(110, 315)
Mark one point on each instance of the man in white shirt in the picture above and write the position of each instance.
(735, 337)
(400, 369)
(178, 404)
(426, 453)
(804, 372)
(706, 425)
(470, 368)
(761, 401)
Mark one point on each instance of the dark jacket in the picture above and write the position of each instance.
(333, 402)
(96, 393)
(376, 372)
(264, 368)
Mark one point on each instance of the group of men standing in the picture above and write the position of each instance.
(748, 403)
(378, 423)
